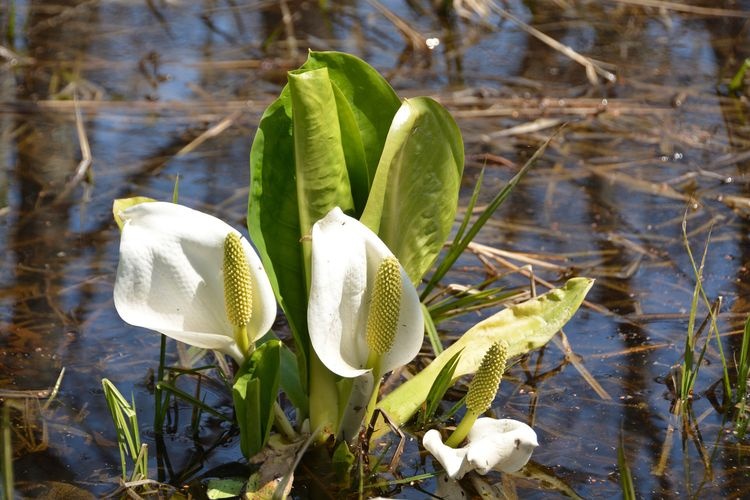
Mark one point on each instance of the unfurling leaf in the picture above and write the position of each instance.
(254, 392)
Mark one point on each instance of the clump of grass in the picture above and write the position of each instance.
(691, 362)
(686, 375)
(740, 393)
(125, 419)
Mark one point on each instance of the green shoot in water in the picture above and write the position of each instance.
(738, 80)
(743, 370)
(626, 478)
(128, 436)
(691, 365)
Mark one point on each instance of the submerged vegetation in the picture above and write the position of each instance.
(644, 189)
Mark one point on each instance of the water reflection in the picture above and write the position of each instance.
(168, 90)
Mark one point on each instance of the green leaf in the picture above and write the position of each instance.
(322, 179)
(273, 215)
(343, 461)
(360, 178)
(525, 327)
(372, 101)
(290, 380)
(254, 393)
(224, 488)
(414, 195)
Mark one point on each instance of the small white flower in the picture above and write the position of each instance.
(346, 257)
(504, 445)
(170, 278)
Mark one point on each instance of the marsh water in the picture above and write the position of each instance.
(176, 88)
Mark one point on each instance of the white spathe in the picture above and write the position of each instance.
(170, 277)
(504, 445)
(345, 259)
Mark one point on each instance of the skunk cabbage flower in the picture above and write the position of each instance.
(364, 314)
(504, 445)
(191, 277)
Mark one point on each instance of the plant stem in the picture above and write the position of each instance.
(240, 336)
(159, 400)
(462, 430)
(373, 362)
(282, 423)
(373, 399)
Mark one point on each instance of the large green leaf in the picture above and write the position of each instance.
(322, 179)
(362, 107)
(354, 153)
(273, 214)
(524, 327)
(372, 102)
(414, 195)
(254, 393)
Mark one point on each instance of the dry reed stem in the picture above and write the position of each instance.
(288, 20)
(485, 250)
(573, 358)
(84, 165)
(415, 38)
(592, 68)
(210, 133)
(688, 9)
(537, 125)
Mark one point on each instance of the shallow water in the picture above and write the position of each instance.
(606, 201)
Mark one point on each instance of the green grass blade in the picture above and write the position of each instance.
(454, 250)
(432, 334)
(176, 189)
(689, 369)
(161, 401)
(471, 302)
(192, 400)
(689, 366)
(457, 249)
(743, 365)
(626, 478)
(439, 387)
(738, 80)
